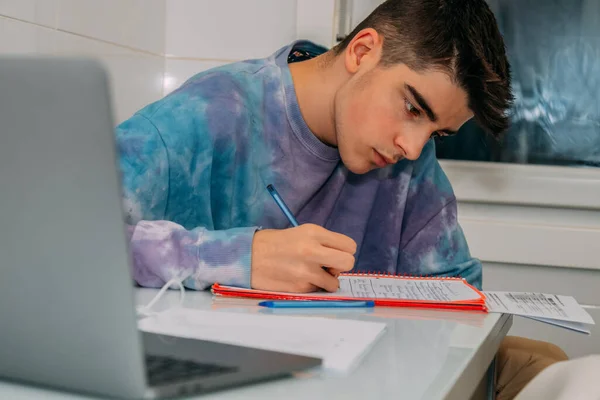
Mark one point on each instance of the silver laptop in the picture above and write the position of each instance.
(67, 316)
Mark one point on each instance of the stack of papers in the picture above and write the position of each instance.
(563, 311)
(383, 290)
(339, 343)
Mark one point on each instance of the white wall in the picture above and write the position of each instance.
(150, 47)
(201, 34)
(127, 35)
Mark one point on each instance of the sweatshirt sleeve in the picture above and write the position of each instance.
(433, 242)
(440, 248)
(162, 250)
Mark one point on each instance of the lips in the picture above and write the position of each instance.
(380, 160)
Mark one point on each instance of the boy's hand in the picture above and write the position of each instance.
(291, 260)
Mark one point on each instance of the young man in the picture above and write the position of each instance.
(345, 137)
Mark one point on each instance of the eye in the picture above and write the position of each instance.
(412, 110)
(439, 134)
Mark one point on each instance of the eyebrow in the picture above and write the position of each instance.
(421, 102)
(425, 106)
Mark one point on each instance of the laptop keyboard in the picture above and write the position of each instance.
(164, 370)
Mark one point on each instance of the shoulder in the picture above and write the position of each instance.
(424, 177)
(227, 84)
(428, 176)
(240, 82)
(215, 102)
(429, 191)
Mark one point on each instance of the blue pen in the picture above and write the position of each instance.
(316, 304)
(282, 205)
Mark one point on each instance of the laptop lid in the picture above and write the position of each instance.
(66, 298)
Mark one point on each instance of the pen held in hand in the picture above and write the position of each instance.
(288, 213)
(284, 208)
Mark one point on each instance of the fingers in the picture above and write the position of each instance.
(332, 239)
(322, 279)
(332, 250)
(333, 259)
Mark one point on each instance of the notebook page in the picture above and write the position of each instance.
(403, 289)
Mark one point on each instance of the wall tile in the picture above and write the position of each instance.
(136, 78)
(139, 24)
(17, 37)
(41, 12)
(362, 8)
(229, 29)
(147, 32)
(315, 21)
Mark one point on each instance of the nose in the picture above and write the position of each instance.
(412, 144)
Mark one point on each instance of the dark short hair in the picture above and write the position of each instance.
(460, 37)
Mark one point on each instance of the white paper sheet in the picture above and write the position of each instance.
(406, 289)
(340, 343)
(538, 305)
(399, 288)
(573, 326)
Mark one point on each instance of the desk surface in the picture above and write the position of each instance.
(423, 355)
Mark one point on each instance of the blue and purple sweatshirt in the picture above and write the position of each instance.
(196, 164)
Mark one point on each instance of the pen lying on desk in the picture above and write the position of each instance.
(316, 304)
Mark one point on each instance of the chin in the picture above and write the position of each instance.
(358, 167)
(353, 160)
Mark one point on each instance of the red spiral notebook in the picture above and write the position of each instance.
(384, 290)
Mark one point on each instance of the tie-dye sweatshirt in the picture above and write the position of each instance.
(196, 165)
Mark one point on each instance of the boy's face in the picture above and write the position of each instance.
(385, 114)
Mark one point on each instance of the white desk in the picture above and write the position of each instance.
(423, 355)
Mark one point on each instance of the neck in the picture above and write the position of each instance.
(316, 83)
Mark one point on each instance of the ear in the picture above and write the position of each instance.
(363, 51)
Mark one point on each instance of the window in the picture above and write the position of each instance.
(554, 50)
